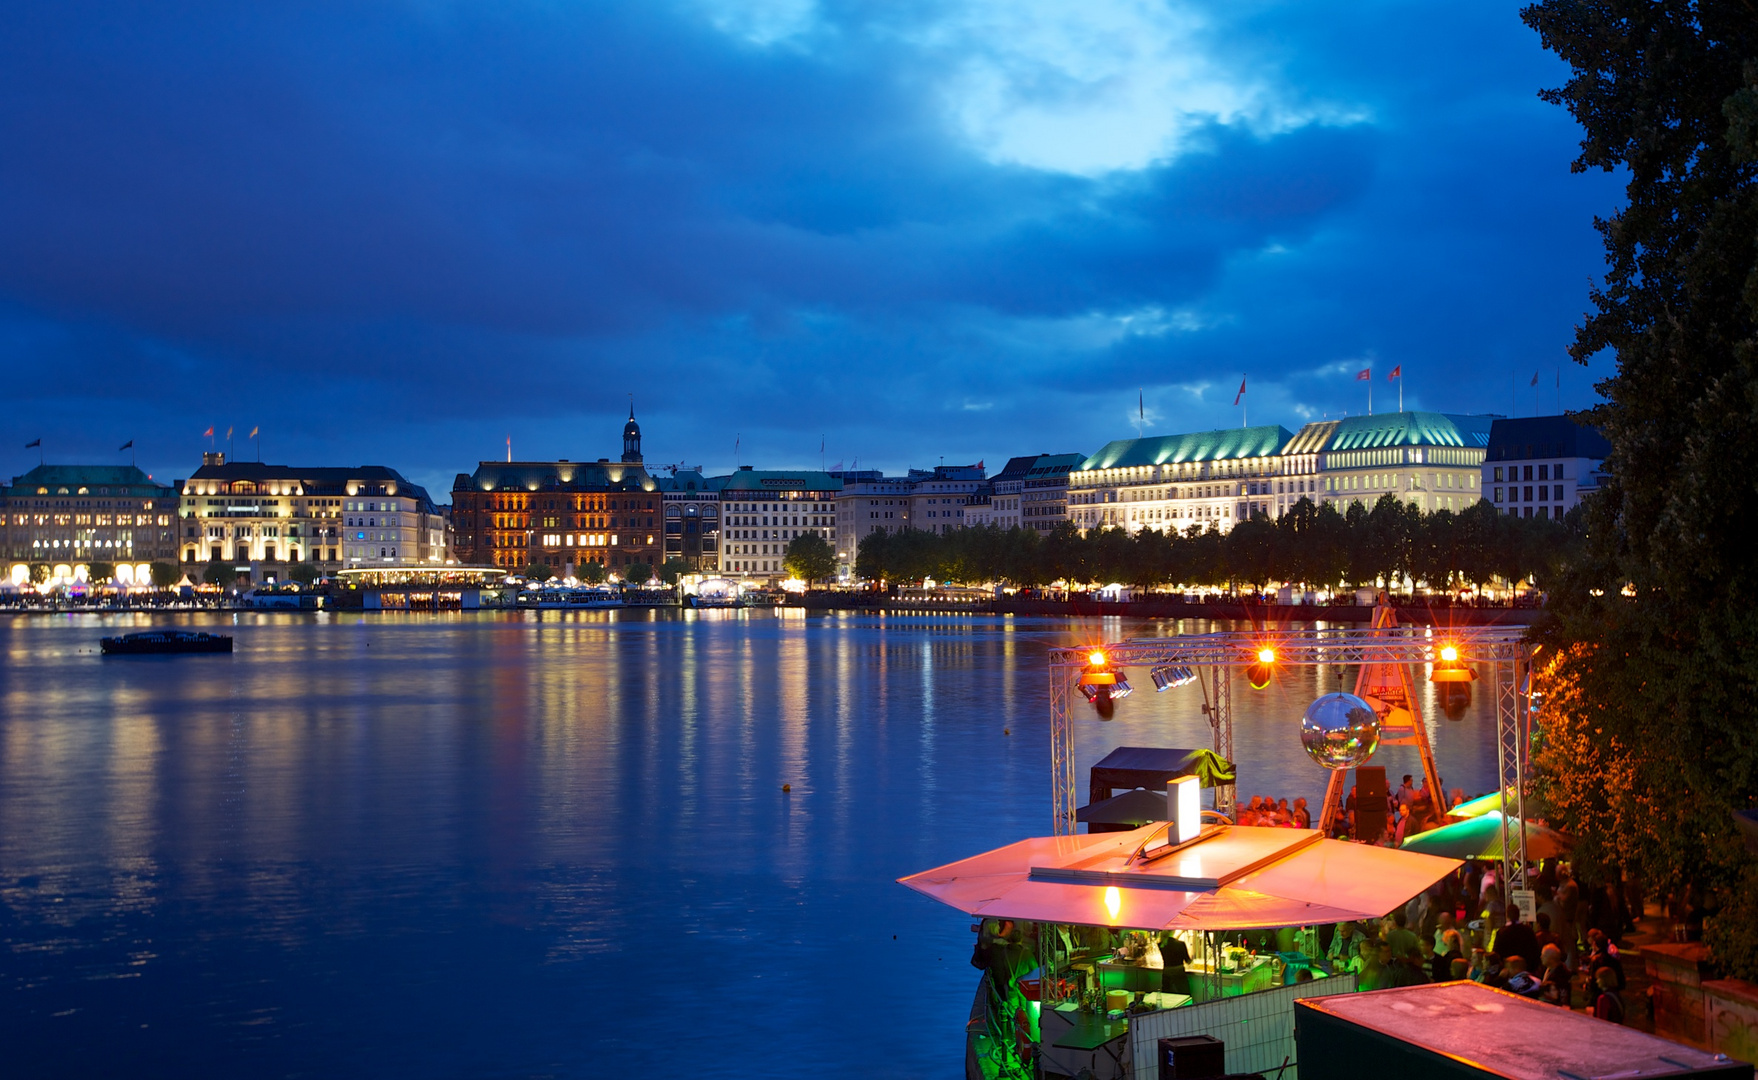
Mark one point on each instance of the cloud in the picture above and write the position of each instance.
(405, 230)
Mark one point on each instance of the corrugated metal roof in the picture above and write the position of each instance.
(1225, 444)
(1410, 429)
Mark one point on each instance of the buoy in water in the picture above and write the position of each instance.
(787, 787)
(1006, 731)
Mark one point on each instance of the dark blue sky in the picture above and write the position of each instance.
(400, 234)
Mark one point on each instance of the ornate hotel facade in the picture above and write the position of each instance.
(1433, 461)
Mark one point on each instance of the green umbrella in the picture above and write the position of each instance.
(1481, 838)
(1477, 807)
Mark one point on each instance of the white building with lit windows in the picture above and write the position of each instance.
(1433, 461)
(1541, 466)
(263, 519)
(762, 510)
(1172, 482)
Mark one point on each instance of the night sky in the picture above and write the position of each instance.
(400, 234)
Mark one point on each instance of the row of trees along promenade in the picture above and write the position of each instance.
(1309, 546)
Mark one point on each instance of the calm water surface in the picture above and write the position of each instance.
(492, 845)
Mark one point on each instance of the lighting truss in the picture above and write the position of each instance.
(1214, 656)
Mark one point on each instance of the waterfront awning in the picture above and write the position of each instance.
(1479, 806)
(1236, 877)
(1481, 838)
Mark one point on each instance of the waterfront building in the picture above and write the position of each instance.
(692, 519)
(264, 518)
(1003, 510)
(869, 502)
(75, 515)
(764, 509)
(938, 496)
(560, 514)
(1563, 457)
(1433, 461)
(1044, 495)
(1172, 482)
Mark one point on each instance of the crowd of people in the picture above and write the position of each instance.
(1264, 810)
(1462, 929)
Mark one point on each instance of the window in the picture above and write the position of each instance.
(1544, 472)
(1498, 492)
(1528, 472)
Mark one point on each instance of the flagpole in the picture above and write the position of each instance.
(1400, 387)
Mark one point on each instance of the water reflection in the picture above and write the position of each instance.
(478, 844)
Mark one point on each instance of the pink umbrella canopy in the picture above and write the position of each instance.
(1235, 877)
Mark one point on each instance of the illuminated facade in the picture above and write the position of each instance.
(74, 515)
(938, 496)
(1431, 461)
(1172, 482)
(764, 509)
(264, 519)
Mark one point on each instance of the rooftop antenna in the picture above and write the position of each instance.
(509, 449)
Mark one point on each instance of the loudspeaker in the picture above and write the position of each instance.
(1192, 1057)
(1370, 802)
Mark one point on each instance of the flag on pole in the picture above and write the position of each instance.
(253, 431)
(1364, 375)
(228, 433)
(837, 467)
(1397, 373)
(1241, 393)
(209, 433)
(33, 442)
(129, 445)
(1535, 378)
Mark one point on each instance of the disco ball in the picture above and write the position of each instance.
(1339, 731)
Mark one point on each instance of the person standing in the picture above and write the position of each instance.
(1609, 1005)
(1557, 988)
(1517, 939)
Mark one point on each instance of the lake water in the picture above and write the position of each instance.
(503, 846)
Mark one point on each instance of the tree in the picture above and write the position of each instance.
(304, 573)
(638, 573)
(810, 557)
(100, 572)
(592, 573)
(1654, 619)
(873, 557)
(673, 569)
(219, 573)
(40, 573)
(538, 572)
(166, 574)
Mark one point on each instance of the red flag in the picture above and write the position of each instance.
(1364, 375)
(208, 434)
(1397, 373)
(1241, 393)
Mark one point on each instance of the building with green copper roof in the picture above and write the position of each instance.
(85, 514)
(1218, 445)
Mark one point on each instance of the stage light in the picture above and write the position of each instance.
(1449, 653)
(1166, 677)
(1121, 689)
(1096, 658)
(1266, 655)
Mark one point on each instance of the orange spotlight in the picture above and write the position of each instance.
(1449, 653)
(1266, 655)
(1096, 658)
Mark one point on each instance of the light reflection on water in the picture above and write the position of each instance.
(488, 845)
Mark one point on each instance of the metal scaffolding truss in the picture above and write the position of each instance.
(1503, 649)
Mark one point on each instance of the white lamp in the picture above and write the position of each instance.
(1184, 800)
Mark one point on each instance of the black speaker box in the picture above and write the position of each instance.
(1192, 1057)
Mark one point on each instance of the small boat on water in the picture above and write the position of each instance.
(166, 641)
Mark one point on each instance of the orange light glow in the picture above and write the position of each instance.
(1096, 658)
(1113, 901)
(1449, 654)
(1266, 655)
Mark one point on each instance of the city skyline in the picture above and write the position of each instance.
(415, 237)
